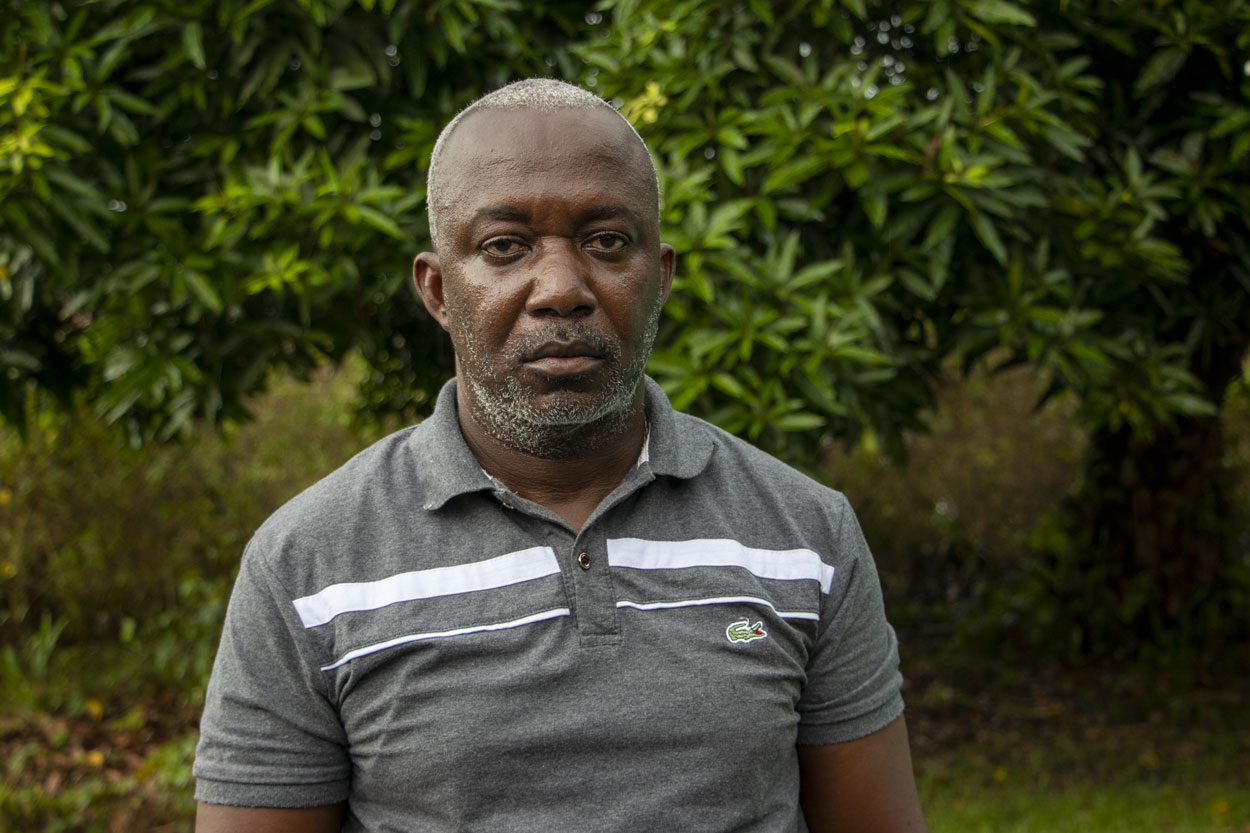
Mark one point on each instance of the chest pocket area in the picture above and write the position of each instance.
(650, 575)
(361, 623)
(723, 594)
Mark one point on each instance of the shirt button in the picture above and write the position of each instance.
(583, 561)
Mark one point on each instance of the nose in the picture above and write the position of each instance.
(560, 282)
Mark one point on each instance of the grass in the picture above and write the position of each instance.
(1098, 749)
(1131, 808)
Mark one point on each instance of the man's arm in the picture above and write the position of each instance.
(218, 818)
(861, 786)
(269, 735)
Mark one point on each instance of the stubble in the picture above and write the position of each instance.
(570, 422)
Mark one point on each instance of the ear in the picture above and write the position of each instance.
(668, 260)
(428, 277)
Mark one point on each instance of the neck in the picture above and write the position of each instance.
(569, 469)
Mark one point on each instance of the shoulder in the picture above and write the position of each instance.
(693, 449)
(375, 474)
(741, 465)
(316, 536)
(744, 493)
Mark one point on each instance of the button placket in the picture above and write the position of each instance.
(592, 582)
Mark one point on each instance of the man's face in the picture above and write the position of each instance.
(549, 274)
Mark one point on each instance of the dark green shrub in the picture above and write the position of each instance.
(974, 544)
(106, 544)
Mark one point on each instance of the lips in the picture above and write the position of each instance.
(564, 358)
(564, 350)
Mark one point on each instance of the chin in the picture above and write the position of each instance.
(528, 398)
(570, 408)
(588, 381)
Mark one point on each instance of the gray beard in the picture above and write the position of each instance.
(571, 425)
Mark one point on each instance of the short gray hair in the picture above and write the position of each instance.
(545, 95)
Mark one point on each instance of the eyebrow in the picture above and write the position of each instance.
(609, 211)
(511, 213)
(508, 213)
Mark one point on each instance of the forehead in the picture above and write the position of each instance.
(498, 157)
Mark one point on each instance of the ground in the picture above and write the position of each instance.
(1094, 749)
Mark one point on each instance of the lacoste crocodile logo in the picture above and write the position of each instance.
(744, 631)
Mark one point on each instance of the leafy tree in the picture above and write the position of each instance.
(861, 190)
(194, 196)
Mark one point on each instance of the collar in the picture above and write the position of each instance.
(679, 446)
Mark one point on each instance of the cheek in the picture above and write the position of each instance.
(465, 301)
(477, 318)
(635, 302)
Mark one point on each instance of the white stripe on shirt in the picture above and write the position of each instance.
(416, 637)
(784, 614)
(787, 565)
(513, 568)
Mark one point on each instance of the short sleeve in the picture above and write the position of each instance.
(853, 681)
(269, 735)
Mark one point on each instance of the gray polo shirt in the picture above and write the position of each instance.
(412, 637)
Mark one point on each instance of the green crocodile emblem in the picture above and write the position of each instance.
(744, 631)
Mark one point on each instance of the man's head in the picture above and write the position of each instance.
(548, 272)
(541, 95)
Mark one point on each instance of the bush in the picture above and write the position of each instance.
(973, 543)
(107, 544)
(974, 497)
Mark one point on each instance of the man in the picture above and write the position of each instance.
(555, 605)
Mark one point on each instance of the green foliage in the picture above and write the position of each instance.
(862, 189)
(101, 544)
(974, 547)
(957, 531)
(115, 569)
(857, 190)
(192, 196)
(1023, 747)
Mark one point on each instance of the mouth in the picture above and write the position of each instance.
(564, 358)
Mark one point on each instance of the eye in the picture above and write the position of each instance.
(503, 247)
(607, 242)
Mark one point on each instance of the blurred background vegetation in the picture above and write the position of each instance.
(982, 265)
